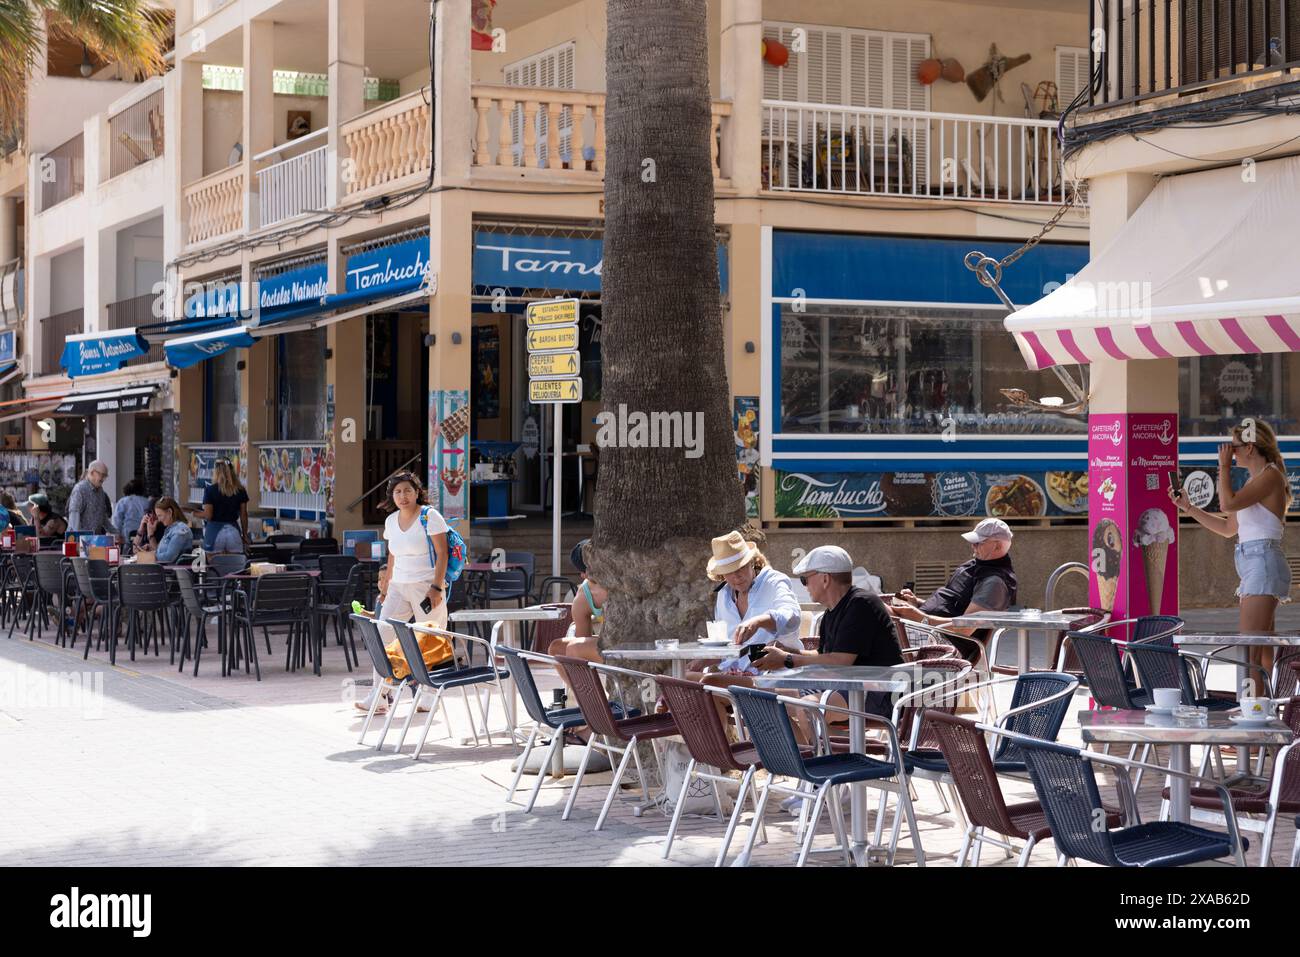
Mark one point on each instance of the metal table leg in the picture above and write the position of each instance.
(1180, 788)
(858, 792)
(1022, 651)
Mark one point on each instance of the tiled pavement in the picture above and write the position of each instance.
(167, 769)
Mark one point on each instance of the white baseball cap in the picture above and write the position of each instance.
(989, 528)
(824, 558)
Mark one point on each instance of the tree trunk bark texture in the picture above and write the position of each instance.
(662, 342)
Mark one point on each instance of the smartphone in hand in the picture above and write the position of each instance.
(1174, 483)
(756, 651)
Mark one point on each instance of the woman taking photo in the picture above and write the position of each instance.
(225, 511)
(1255, 513)
(413, 583)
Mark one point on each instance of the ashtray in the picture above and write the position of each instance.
(666, 644)
(1191, 712)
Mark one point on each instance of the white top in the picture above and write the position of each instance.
(410, 548)
(770, 592)
(1256, 522)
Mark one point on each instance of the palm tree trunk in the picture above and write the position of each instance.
(662, 345)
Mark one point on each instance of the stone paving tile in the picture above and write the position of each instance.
(166, 768)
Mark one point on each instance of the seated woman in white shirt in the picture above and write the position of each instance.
(755, 600)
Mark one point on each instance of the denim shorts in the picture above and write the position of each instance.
(1263, 570)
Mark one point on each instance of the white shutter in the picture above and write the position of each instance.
(549, 70)
(1072, 66)
(781, 83)
(906, 92)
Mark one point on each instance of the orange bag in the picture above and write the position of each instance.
(436, 650)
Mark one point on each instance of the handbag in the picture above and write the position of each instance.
(699, 795)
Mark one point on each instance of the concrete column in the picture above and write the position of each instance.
(184, 157)
(741, 82)
(38, 307)
(347, 54)
(8, 228)
(256, 391)
(106, 443)
(259, 107)
(345, 371)
(99, 257)
(450, 245)
(455, 119)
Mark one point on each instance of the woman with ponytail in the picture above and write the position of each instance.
(1256, 514)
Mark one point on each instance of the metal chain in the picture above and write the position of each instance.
(981, 264)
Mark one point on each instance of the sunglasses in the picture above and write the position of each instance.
(803, 579)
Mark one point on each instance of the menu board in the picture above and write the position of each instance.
(955, 494)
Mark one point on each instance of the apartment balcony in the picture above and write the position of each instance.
(54, 334)
(63, 172)
(135, 135)
(133, 313)
(1162, 53)
(388, 146)
(295, 182)
(860, 151)
(12, 275)
(214, 205)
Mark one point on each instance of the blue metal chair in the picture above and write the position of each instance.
(770, 730)
(374, 645)
(1105, 674)
(443, 679)
(558, 721)
(1164, 666)
(1066, 786)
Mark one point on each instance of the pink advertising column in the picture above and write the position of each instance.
(1132, 525)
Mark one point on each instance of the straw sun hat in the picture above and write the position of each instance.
(730, 553)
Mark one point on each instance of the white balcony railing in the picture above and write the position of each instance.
(292, 186)
(811, 147)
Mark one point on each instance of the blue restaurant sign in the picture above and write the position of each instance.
(388, 270)
(93, 352)
(8, 344)
(547, 262)
(191, 350)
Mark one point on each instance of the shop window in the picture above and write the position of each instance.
(302, 386)
(1217, 392)
(882, 370)
(221, 382)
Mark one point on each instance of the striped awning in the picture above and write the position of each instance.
(1206, 266)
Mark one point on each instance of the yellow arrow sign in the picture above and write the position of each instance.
(553, 339)
(552, 312)
(555, 390)
(554, 364)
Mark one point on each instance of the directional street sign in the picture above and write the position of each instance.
(552, 312)
(555, 364)
(555, 390)
(552, 339)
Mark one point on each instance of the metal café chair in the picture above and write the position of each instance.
(373, 641)
(334, 603)
(1282, 797)
(975, 778)
(198, 614)
(49, 589)
(94, 591)
(556, 720)
(455, 675)
(621, 735)
(770, 729)
(1066, 786)
(144, 596)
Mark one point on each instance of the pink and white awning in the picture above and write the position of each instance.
(1208, 265)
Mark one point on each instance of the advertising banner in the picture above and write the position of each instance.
(745, 423)
(1132, 523)
(449, 438)
(953, 494)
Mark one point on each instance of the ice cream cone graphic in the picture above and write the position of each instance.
(1107, 550)
(1153, 536)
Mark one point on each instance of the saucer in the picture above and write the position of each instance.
(716, 642)
(1167, 712)
(1248, 720)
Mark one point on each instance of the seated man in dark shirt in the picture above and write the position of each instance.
(856, 629)
(985, 583)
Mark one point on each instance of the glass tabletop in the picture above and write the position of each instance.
(1141, 727)
(685, 649)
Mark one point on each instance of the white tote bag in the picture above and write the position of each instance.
(699, 796)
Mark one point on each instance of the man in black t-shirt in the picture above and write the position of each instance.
(856, 630)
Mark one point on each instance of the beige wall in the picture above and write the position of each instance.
(223, 123)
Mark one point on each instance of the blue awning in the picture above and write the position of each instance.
(191, 350)
(90, 353)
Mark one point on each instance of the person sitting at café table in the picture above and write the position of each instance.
(754, 600)
(856, 630)
(587, 611)
(177, 539)
(49, 523)
(986, 582)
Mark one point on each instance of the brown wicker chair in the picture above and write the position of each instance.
(967, 755)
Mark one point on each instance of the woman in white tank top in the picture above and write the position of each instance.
(1256, 514)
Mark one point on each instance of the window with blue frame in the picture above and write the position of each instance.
(899, 370)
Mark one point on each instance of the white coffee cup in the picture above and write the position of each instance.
(717, 630)
(1260, 708)
(1167, 698)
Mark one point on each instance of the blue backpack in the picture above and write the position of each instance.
(456, 550)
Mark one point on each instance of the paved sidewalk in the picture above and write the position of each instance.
(164, 768)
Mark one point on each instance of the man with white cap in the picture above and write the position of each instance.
(89, 508)
(985, 583)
